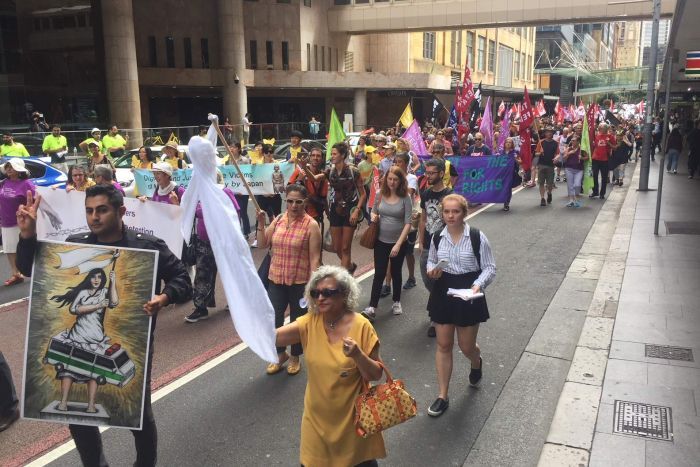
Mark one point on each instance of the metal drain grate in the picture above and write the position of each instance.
(669, 352)
(643, 420)
(683, 228)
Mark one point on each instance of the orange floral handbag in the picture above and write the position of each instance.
(382, 406)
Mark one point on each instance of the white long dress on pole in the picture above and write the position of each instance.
(250, 307)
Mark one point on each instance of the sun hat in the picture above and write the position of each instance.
(164, 167)
(17, 164)
(95, 130)
(170, 144)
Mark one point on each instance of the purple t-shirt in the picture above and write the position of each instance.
(574, 161)
(118, 186)
(179, 190)
(12, 194)
(199, 215)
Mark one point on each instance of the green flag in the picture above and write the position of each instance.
(586, 146)
(335, 134)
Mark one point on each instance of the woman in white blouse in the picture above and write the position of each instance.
(452, 263)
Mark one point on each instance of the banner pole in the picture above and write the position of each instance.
(235, 164)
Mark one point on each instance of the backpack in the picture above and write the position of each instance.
(474, 237)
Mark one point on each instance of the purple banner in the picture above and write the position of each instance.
(415, 139)
(483, 179)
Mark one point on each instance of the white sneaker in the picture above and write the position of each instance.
(396, 308)
(254, 244)
(369, 313)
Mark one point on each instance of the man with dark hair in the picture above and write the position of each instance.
(10, 148)
(113, 143)
(104, 212)
(431, 217)
(55, 146)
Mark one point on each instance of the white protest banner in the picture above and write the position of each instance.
(263, 179)
(63, 214)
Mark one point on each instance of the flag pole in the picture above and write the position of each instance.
(235, 164)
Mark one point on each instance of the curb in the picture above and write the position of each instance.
(570, 436)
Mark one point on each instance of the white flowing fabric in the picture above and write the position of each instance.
(249, 304)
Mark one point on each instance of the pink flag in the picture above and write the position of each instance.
(415, 139)
(486, 127)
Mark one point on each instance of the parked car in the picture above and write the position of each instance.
(41, 173)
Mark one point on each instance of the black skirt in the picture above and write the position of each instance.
(444, 309)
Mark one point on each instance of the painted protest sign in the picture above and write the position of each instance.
(483, 179)
(62, 214)
(88, 337)
(263, 179)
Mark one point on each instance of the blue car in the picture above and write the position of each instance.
(40, 172)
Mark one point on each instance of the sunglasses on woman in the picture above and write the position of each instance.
(315, 293)
(295, 201)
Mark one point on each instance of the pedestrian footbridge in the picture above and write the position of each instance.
(373, 16)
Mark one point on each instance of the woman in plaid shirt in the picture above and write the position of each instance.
(294, 239)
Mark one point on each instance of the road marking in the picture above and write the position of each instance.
(13, 302)
(68, 446)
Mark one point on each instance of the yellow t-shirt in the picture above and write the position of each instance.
(93, 140)
(255, 157)
(109, 141)
(52, 143)
(294, 152)
(136, 163)
(13, 150)
(328, 436)
(88, 183)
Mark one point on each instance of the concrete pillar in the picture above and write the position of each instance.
(232, 57)
(359, 110)
(121, 70)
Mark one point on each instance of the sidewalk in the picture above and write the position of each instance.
(642, 332)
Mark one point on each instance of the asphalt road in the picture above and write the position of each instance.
(14, 292)
(235, 414)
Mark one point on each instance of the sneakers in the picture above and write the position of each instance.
(549, 198)
(396, 308)
(570, 204)
(386, 291)
(254, 244)
(602, 197)
(577, 204)
(592, 196)
(438, 407)
(410, 283)
(369, 313)
(543, 202)
(197, 315)
(506, 207)
(475, 374)
(431, 331)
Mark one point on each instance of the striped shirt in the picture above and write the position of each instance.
(460, 257)
(290, 251)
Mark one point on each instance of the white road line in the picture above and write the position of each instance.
(13, 302)
(68, 446)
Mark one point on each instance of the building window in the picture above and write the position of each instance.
(187, 42)
(481, 54)
(254, 55)
(268, 53)
(522, 66)
(341, 2)
(456, 48)
(492, 56)
(516, 65)
(284, 1)
(323, 58)
(429, 45)
(315, 57)
(152, 52)
(470, 49)
(337, 60)
(349, 61)
(205, 52)
(530, 66)
(285, 55)
(82, 21)
(307, 3)
(308, 57)
(170, 51)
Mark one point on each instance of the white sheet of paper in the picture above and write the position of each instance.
(464, 294)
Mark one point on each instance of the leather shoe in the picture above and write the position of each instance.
(6, 422)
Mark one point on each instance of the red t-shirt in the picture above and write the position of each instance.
(602, 150)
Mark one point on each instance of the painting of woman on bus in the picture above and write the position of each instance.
(89, 302)
(88, 337)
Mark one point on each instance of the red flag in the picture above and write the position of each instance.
(640, 107)
(573, 113)
(527, 117)
(557, 108)
(467, 95)
(540, 108)
(590, 118)
(514, 110)
(525, 149)
(501, 109)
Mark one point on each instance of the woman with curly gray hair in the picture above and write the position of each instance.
(341, 350)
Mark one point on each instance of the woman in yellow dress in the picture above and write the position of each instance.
(144, 159)
(341, 349)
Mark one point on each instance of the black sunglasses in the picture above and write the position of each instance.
(295, 201)
(315, 293)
